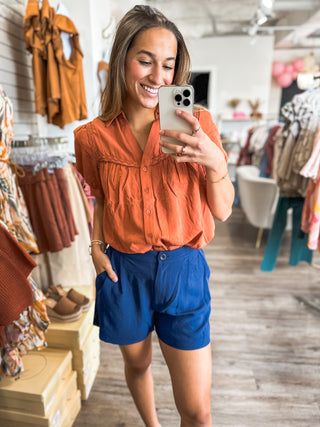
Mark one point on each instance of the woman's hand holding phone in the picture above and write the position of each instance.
(181, 135)
(194, 148)
(171, 99)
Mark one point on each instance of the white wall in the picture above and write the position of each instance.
(243, 69)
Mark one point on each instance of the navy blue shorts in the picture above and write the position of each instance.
(163, 290)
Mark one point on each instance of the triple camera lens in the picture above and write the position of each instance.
(183, 98)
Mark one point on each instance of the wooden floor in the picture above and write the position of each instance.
(266, 344)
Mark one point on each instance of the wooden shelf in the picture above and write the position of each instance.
(228, 141)
(230, 119)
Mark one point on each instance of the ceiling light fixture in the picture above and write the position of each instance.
(260, 17)
(267, 4)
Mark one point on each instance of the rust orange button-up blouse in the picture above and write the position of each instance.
(150, 201)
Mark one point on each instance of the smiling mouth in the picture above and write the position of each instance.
(150, 90)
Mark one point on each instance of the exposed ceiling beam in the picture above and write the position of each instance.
(301, 33)
(296, 5)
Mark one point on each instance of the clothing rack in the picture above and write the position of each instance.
(32, 141)
(40, 152)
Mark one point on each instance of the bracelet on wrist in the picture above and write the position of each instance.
(97, 242)
(219, 180)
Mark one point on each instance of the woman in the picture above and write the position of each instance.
(154, 212)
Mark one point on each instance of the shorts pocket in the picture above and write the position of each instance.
(99, 284)
(103, 287)
(100, 275)
(194, 291)
(100, 279)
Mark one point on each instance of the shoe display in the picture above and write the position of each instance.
(73, 295)
(62, 309)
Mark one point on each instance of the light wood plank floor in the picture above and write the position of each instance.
(266, 344)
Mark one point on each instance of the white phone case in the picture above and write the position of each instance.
(172, 98)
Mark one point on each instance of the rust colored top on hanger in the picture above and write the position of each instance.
(59, 83)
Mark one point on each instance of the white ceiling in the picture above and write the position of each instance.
(295, 23)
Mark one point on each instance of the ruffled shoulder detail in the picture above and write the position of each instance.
(87, 159)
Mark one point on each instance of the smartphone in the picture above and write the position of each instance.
(172, 98)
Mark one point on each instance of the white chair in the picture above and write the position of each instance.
(258, 198)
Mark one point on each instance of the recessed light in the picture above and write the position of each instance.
(268, 4)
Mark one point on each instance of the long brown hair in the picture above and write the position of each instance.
(134, 22)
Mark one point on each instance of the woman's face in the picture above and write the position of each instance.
(150, 63)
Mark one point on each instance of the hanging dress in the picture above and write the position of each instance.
(13, 211)
(310, 222)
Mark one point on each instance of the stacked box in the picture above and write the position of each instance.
(86, 362)
(82, 338)
(70, 335)
(44, 394)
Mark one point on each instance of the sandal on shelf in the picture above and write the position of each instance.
(73, 295)
(63, 309)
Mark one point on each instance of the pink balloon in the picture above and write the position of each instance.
(294, 74)
(284, 80)
(298, 64)
(277, 68)
(288, 68)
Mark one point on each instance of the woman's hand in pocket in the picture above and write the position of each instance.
(102, 263)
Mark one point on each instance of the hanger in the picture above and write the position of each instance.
(37, 162)
(38, 142)
(39, 152)
(109, 30)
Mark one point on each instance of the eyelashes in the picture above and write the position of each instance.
(147, 64)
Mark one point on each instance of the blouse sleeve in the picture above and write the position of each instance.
(87, 159)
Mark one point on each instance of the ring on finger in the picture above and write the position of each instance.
(197, 130)
(183, 149)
